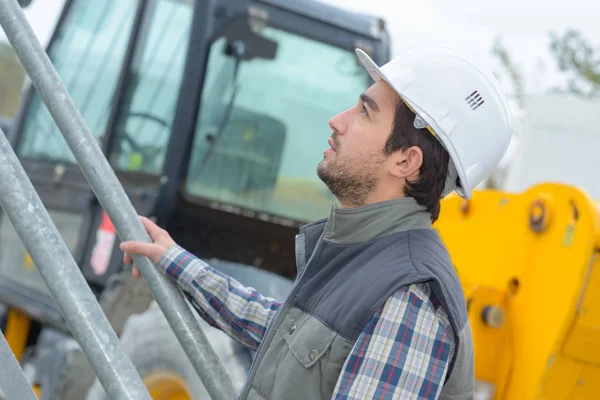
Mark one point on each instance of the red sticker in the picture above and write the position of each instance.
(105, 240)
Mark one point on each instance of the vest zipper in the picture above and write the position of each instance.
(271, 330)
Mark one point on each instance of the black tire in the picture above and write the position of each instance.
(152, 347)
(62, 370)
(65, 372)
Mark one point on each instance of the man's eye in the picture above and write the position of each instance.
(364, 110)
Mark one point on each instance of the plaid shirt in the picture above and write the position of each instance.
(402, 353)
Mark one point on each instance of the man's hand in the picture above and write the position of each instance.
(154, 251)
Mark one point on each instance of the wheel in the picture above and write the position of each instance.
(162, 363)
(63, 369)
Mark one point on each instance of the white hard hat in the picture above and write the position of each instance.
(461, 104)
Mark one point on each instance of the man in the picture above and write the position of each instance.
(377, 311)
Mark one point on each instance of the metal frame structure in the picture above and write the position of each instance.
(12, 380)
(60, 272)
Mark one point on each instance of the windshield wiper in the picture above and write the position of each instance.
(239, 50)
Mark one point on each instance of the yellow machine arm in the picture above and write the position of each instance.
(530, 271)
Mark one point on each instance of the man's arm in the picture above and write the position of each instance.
(402, 353)
(241, 312)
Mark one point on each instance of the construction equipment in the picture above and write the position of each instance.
(208, 112)
(531, 289)
(527, 256)
(6, 125)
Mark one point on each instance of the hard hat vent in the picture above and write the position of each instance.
(474, 100)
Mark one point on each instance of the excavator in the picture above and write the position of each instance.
(209, 112)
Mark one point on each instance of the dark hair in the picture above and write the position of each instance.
(427, 189)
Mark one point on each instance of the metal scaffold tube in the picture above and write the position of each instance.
(75, 299)
(13, 383)
(112, 197)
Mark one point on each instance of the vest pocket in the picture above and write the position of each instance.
(307, 338)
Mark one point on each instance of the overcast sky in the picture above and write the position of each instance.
(42, 15)
(472, 26)
(468, 24)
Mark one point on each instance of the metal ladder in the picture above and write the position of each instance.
(79, 307)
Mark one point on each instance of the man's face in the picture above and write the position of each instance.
(355, 163)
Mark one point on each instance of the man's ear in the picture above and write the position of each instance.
(407, 163)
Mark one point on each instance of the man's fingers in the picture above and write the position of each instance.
(149, 250)
(154, 251)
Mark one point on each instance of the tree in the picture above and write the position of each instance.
(514, 72)
(516, 105)
(578, 59)
(12, 75)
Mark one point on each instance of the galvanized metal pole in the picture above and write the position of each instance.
(56, 265)
(13, 383)
(112, 197)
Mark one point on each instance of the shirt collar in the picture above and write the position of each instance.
(361, 224)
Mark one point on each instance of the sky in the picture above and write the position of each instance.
(42, 16)
(473, 25)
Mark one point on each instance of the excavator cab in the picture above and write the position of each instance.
(214, 115)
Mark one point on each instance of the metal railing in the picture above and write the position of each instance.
(67, 285)
(75, 299)
(12, 380)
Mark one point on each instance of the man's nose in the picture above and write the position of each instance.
(339, 123)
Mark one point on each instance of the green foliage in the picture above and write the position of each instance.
(579, 60)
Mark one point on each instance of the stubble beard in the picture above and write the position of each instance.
(350, 180)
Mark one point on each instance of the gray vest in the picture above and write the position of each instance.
(348, 266)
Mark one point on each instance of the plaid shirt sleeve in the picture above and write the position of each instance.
(241, 312)
(402, 353)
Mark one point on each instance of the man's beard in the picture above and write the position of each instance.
(351, 181)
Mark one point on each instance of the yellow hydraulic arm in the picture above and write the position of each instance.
(530, 271)
(17, 331)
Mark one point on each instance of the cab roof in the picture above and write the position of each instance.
(369, 26)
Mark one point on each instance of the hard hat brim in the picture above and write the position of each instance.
(455, 167)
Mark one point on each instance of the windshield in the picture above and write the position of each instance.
(266, 156)
(144, 127)
(87, 53)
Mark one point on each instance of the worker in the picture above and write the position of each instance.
(376, 310)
